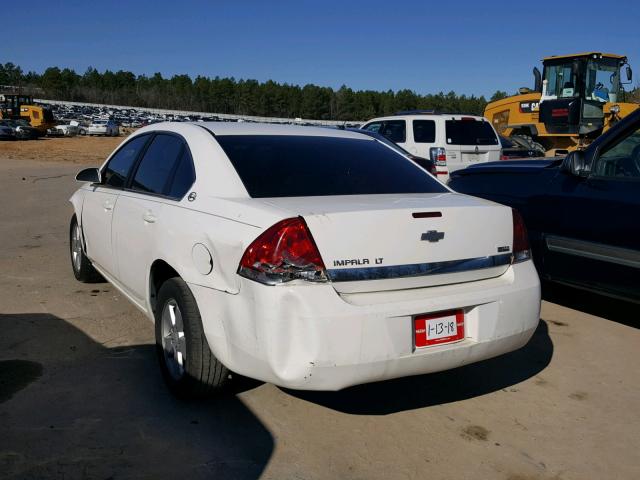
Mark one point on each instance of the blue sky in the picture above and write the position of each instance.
(470, 47)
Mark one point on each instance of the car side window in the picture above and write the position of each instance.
(158, 164)
(117, 170)
(395, 130)
(621, 160)
(373, 127)
(424, 131)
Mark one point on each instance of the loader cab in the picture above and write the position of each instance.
(10, 104)
(575, 89)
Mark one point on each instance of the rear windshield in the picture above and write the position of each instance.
(470, 132)
(301, 166)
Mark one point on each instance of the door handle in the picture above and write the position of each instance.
(107, 205)
(149, 217)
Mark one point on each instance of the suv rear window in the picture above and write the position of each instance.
(470, 132)
(308, 166)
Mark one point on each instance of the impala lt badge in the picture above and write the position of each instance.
(432, 236)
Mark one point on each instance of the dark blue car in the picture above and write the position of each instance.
(582, 211)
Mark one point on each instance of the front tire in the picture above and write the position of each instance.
(81, 265)
(188, 366)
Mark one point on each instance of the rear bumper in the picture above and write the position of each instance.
(308, 337)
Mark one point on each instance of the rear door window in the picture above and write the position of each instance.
(470, 132)
(118, 168)
(184, 177)
(307, 166)
(395, 130)
(156, 169)
(424, 131)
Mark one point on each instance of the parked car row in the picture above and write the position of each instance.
(353, 265)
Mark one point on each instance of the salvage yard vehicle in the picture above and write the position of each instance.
(311, 258)
(575, 99)
(70, 129)
(582, 211)
(19, 106)
(7, 132)
(22, 129)
(452, 141)
(108, 128)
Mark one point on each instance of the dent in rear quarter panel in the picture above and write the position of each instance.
(225, 239)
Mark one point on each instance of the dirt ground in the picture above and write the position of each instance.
(82, 150)
(81, 395)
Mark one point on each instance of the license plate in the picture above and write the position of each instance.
(438, 328)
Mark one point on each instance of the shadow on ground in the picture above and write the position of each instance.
(613, 309)
(70, 408)
(473, 380)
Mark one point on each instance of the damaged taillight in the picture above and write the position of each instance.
(521, 248)
(284, 252)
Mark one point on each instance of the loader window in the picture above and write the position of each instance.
(561, 81)
(603, 80)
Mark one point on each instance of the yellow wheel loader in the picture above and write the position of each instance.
(574, 100)
(16, 106)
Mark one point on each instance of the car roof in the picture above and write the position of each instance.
(428, 116)
(247, 128)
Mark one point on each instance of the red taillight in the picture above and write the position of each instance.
(284, 252)
(504, 157)
(521, 248)
(438, 156)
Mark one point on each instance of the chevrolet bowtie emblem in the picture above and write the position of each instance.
(432, 236)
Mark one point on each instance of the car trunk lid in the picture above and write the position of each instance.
(390, 242)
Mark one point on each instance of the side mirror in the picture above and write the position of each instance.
(629, 73)
(575, 164)
(91, 175)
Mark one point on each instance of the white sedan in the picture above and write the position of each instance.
(108, 128)
(311, 258)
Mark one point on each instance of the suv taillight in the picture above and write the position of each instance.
(521, 248)
(438, 156)
(284, 252)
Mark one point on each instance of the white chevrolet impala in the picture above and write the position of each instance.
(311, 258)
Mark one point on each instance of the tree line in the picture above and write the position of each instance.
(228, 95)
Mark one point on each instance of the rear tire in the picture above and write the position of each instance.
(83, 270)
(188, 366)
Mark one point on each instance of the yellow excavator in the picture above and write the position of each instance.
(18, 106)
(574, 100)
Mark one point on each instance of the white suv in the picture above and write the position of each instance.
(452, 141)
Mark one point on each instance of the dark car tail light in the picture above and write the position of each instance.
(521, 248)
(503, 157)
(285, 251)
(438, 156)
